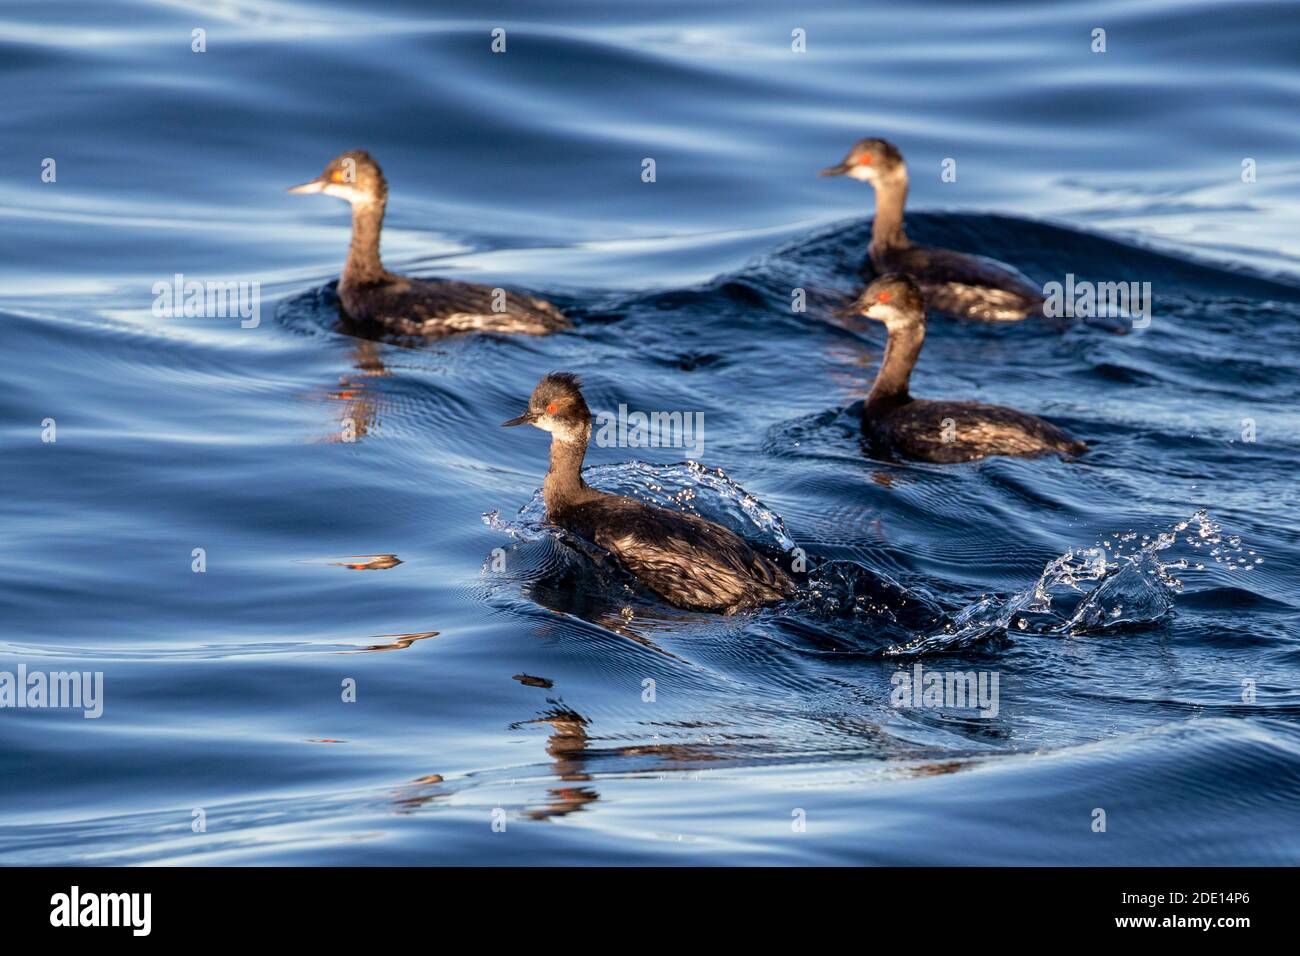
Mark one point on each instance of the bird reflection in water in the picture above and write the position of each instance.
(396, 642)
(566, 745)
(359, 403)
(934, 769)
(573, 758)
(368, 562)
(569, 746)
(528, 680)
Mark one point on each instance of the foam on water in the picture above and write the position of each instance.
(1091, 590)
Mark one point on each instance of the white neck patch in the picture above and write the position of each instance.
(891, 315)
(564, 431)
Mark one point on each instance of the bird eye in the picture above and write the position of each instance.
(864, 159)
(883, 297)
(550, 409)
(337, 176)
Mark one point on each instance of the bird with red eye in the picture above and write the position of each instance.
(370, 295)
(680, 557)
(868, 160)
(954, 283)
(896, 425)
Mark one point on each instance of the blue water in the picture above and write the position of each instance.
(1128, 602)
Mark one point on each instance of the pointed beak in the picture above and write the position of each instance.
(838, 169)
(527, 418)
(314, 186)
(846, 311)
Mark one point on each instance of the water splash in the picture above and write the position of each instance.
(1122, 581)
(685, 486)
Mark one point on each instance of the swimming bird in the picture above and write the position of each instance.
(938, 431)
(684, 559)
(370, 293)
(954, 283)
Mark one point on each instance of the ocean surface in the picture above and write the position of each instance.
(331, 623)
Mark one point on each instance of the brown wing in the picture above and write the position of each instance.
(443, 306)
(684, 559)
(963, 431)
(966, 286)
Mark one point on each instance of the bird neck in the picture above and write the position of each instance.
(904, 345)
(363, 263)
(887, 228)
(564, 485)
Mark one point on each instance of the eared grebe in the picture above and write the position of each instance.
(369, 293)
(941, 432)
(956, 284)
(684, 559)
